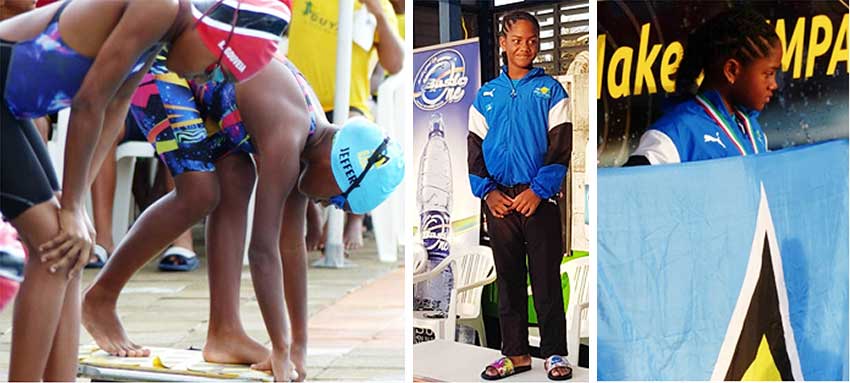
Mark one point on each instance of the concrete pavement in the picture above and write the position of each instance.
(356, 315)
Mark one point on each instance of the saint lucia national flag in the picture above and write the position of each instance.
(731, 269)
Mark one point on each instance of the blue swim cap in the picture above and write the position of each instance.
(352, 147)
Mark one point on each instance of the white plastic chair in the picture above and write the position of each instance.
(420, 259)
(56, 145)
(387, 217)
(125, 158)
(125, 165)
(576, 315)
(472, 268)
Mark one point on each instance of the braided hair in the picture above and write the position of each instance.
(508, 22)
(741, 33)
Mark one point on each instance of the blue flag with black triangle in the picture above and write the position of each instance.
(731, 269)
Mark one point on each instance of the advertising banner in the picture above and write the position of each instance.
(446, 79)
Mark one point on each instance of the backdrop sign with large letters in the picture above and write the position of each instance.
(640, 45)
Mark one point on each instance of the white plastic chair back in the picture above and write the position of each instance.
(420, 259)
(125, 166)
(472, 268)
(387, 218)
(577, 271)
(474, 264)
(56, 146)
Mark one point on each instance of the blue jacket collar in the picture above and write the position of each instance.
(534, 72)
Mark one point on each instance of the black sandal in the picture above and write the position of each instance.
(504, 368)
(554, 362)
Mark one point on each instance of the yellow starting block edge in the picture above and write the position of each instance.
(124, 375)
(151, 369)
(162, 371)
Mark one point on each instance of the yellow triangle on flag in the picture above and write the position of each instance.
(763, 367)
(759, 342)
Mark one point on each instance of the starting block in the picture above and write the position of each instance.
(163, 365)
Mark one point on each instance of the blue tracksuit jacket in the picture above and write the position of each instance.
(519, 134)
(692, 131)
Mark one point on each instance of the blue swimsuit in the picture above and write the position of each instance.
(45, 73)
(37, 77)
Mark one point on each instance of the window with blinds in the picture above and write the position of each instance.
(564, 33)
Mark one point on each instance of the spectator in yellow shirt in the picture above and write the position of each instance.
(398, 5)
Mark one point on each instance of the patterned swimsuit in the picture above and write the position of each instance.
(193, 126)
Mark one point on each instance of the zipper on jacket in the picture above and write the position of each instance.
(511, 83)
(512, 129)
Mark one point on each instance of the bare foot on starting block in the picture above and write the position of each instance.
(101, 321)
(234, 349)
(295, 375)
(298, 357)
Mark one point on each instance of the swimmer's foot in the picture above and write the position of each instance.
(298, 358)
(266, 366)
(234, 348)
(100, 319)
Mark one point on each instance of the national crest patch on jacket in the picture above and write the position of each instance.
(542, 92)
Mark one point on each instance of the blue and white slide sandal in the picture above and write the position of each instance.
(557, 361)
(177, 258)
(101, 254)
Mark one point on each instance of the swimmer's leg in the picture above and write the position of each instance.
(195, 196)
(227, 341)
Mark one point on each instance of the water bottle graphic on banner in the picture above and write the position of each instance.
(434, 198)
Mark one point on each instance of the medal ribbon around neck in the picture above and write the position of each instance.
(729, 130)
(749, 128)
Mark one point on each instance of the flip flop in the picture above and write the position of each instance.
(102, 256)
(186, 259)
(504, 368)
(554, 362)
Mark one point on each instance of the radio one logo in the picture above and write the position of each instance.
(441, 80)
(436, 228)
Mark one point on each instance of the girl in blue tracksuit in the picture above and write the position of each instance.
(739, 52)
(519, 147)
